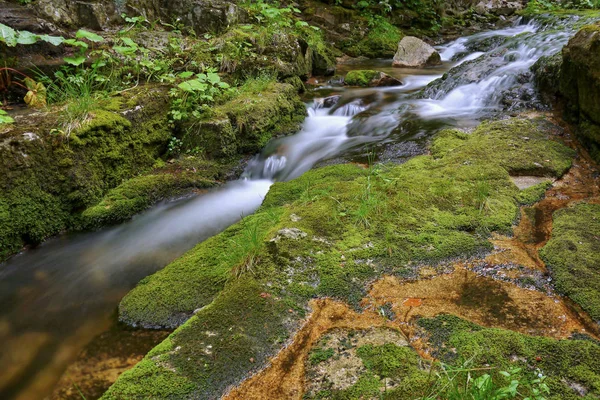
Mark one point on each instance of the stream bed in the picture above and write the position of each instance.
(55, 299)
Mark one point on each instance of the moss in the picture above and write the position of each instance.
(247, 122)
(566, 363)
(360, 77)
(139, 193)
(194, 280)
(226, 340)
(381, 40)
(580, 83)
(46, 182)
(534, 193)
(573, 255)
(357, 224)
(319, 355)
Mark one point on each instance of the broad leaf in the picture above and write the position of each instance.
(4, 118)
(186, 74)
(75, 61)
(54, 40)
(36, 96)
(8, 35)
(26, 37)
(193, 86)
(213, 78)
(77, 43)
(92, 37)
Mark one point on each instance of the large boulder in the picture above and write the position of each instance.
(580, 84)
(201, 15)
(414, 53)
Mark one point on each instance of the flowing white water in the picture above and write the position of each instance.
(78, 279)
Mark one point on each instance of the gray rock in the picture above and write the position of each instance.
(414, 53)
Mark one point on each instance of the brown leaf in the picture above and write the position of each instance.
(412, 302)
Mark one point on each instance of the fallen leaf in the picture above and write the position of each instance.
(412, 302)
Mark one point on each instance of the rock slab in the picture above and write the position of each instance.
(415, 53)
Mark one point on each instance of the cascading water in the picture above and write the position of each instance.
(79, 279)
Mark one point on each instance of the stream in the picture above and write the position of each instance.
(56, 298)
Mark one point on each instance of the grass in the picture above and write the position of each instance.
(428, 210)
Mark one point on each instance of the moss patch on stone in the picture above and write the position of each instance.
(360, 77)
(47, 180)
(573, 255)
(571, 366)
(247, 122)
(329, 233)
(139, 193)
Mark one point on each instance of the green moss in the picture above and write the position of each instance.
(139, 193)
(534, 193)
(319, 355)
(566, 363)
(226, 340)
(247, 122)
(195, 279)
(573, 255)
(381, 40)
(360, 77)
(47, 182)
(356, 224)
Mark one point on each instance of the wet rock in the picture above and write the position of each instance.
(547, 72)
(580, 84)
(370, 78)
(414, 53)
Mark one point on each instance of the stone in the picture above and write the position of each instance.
(415, 53)
(370, 78)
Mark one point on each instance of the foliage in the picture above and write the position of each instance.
(5, 118)
(537, 6)
(195, 93)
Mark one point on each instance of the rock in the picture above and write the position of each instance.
(201, 15)
(289, 233)
(547, 72)
(580, 84)
(370, 78)
(414, 53)
(499, 7)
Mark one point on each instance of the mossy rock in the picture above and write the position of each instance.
(573, 255)
(246, 123)
(580, 84)
(46, 180)
(139, 193)
(570, 366)
(248, 288)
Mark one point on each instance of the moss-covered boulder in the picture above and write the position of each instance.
(570, 367)
(48, 178)
(547, 72)
(573, 255)
(326, 234)
(137, 194)
(247, 122)
(370, 78)
(580, 84)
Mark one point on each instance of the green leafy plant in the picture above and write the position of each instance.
(5, 118)
(194, 93)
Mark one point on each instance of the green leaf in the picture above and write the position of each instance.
(92, 37)
(75, 61)
(8, 35)
(26, 37)
(193, 86)
(129, 42)
(213, 78)
(77, 43)
(4, 118)
(186, 74)
(53, 40)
